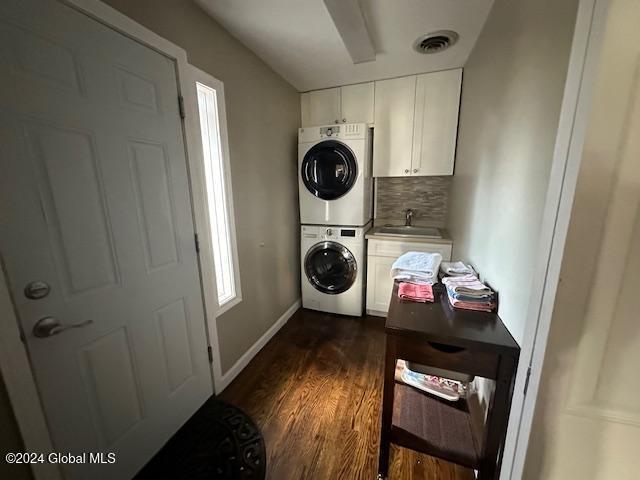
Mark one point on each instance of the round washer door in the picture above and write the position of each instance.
(329, 169)
(330, 267)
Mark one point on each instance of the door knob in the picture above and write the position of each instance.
(49, 326)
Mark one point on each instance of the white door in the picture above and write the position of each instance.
(324, 107)
(95, 204)
(357, 103)
(393, 116)
(435, 129)
(379, 283)
(587, 422)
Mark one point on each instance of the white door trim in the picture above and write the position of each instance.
(14, 363)
(567, 158)
(21, 388)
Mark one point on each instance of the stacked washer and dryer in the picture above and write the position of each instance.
(336, 198)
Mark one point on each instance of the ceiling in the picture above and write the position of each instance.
(300, 41)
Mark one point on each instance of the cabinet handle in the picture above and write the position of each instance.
(444, 348)
(406, 170)
(415, 170)
(336, 121)
(344, 120)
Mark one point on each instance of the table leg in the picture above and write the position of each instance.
(387, 407)
(497, 420)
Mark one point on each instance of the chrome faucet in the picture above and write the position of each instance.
(408, 217)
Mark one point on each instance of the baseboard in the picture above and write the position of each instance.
(244, 360)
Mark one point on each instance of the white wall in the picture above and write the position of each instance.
(512, 91)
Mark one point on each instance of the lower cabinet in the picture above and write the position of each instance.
(380, 256)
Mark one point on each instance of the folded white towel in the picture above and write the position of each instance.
(456, 268)
(416, 267)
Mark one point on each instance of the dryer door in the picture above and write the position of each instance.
(329, 169)
(330, 267)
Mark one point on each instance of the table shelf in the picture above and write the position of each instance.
(433, 426)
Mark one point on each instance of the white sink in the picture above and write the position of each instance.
(410, 231)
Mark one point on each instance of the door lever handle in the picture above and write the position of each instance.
(49, 326)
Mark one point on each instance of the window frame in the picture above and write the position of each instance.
(205, 238)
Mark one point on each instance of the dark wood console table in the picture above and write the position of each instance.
(438, 335)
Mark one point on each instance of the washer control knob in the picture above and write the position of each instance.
(329, 232)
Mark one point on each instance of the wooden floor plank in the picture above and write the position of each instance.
(315, 390)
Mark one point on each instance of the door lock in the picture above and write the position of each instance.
(36, 290)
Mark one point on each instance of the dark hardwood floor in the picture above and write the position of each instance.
(315, 390)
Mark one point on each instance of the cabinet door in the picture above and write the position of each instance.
(436, 122)
(357, 103)
(393, 117)
(379, 283)
(323, 107)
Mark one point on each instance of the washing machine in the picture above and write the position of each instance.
(335, 183)
(333, 260)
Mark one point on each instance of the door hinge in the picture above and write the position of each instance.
(197, 242)
(210, 353)
(181, 106)
(526, 382)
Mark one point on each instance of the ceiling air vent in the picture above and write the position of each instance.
(435, 42)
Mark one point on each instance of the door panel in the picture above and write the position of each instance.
(173, 328)
(154, 203)
(110, 384)
(436, 122)
(324, 106)
(66, 171)
(393, 115)
(357, 103)
(95, 202)
(329, 170)
(383, 283)
(137, 91)
(330, 267)
(587, 420)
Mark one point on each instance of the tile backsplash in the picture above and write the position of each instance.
(427, 196)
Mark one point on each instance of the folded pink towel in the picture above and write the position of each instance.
(415, 293)
(478, 306)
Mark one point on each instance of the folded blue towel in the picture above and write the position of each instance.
(467, 298)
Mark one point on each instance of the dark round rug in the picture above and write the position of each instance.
(219, 442)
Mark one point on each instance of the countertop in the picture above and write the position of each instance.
(440, 322)
(374, 234)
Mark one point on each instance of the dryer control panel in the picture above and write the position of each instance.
(345, 131)
(329, 232)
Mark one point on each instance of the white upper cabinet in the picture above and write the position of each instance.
(436, 122)
(357, 103)
(415, 120)
(349, 104)
(322, 107)
(393, 133)
(416, 124)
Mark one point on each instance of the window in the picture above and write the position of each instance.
(218, 198)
